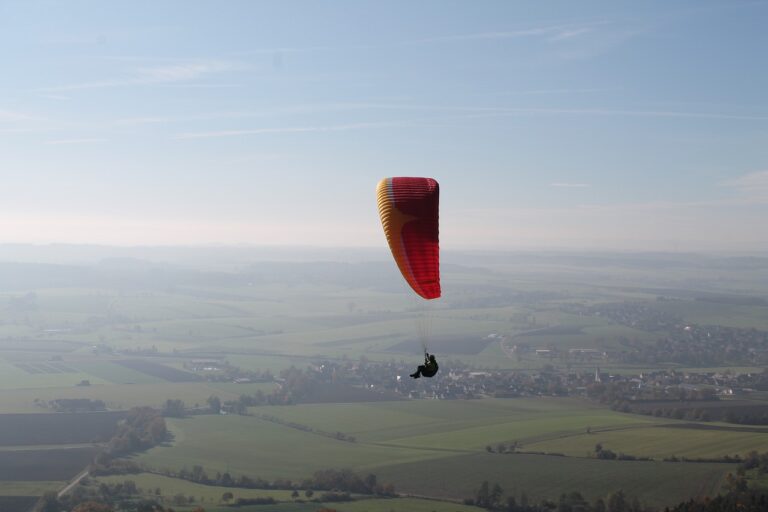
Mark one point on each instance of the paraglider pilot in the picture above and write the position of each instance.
(428, 369)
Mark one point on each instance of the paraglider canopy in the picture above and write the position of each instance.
(409, 208)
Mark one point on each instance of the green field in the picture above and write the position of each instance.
(147, 483)
(602, 336)
(456, 425)
(209, 495)
(438, 447)
(246, 445)
(363, 505)
(458, 476)
(399, 504)
(115, 373)
(116, 396)
(13, 377)
(36, 488)
(658, 442)
(714, 313)
(266, 362)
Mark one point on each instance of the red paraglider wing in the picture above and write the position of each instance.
(409, 209)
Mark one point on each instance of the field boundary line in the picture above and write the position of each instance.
(425, 448)
(751, 429)
(565, 434)
(84, 473)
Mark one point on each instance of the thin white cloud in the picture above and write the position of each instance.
(203, 86)
(479, 111)
(723, 225)
(461, 113)
(494, 35)
(87, 85)
(156, 75)
(511, 111)
(182, 71)
(627, 113)
(17, 130)
(570, 34)
(132, 121)
(249, 159)
(444, 116)
(57, 97)
(294, 129)
(237, 133)
(536, 92)
(752, 186)
(11, 116)
(267, 112)
(561, 184)
(75, 141)
(551, 32)
(752, 180)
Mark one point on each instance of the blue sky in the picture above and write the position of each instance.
(581, 125)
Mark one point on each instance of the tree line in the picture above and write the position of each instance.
(738, 498)
(141, 429)
(340, 480)
(492, 497)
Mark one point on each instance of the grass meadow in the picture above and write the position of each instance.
(365, 505)
(209, 496)
(458, 476)
(658, 441)
(30, 488)
(437, 448)
(116, 397)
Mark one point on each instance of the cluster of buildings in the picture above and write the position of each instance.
(455, 381)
